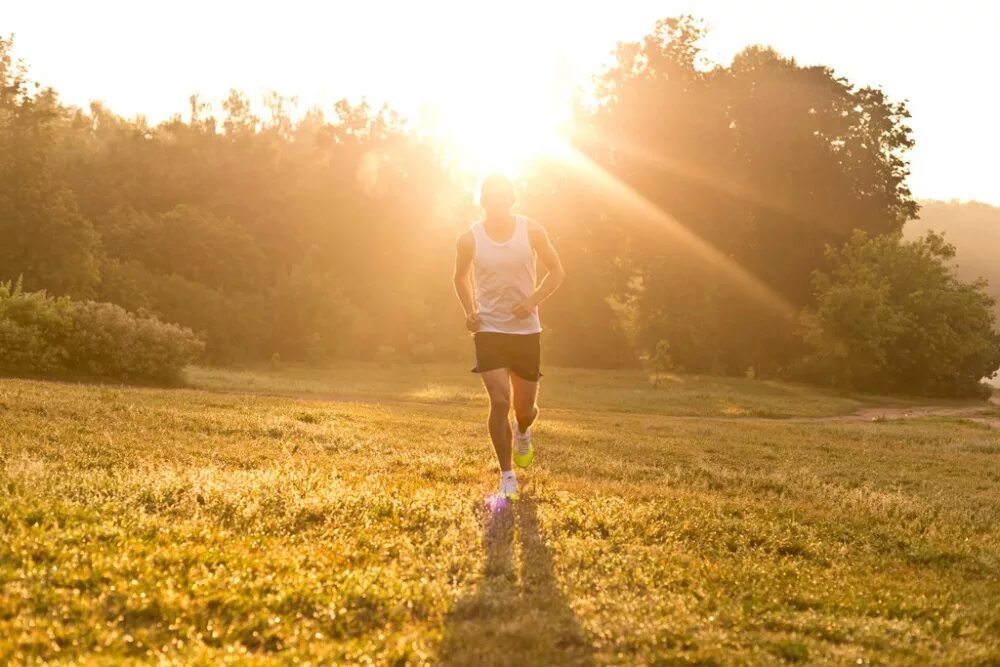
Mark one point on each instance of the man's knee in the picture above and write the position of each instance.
(524, 411)
(500, 405)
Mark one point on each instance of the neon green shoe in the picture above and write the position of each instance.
(524, 451)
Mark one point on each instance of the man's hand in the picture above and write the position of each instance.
(525, 308)
(472, 322)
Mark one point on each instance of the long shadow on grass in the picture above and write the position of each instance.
(510, 619)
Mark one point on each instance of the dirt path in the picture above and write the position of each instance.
(982, 415)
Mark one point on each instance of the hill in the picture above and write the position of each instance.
(974, 229)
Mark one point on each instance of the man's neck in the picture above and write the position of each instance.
(506, 218)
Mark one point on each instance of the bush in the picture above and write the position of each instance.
(42, 335)
(232, 324)
(893, 316)
(661, 360)
(33, 329)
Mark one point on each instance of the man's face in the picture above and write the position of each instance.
(496, 201)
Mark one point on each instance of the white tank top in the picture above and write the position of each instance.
(504, 275)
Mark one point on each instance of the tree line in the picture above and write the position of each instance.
(708, 212)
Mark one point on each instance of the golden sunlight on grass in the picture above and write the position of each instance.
(199, 526)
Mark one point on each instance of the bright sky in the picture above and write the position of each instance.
(461, 57)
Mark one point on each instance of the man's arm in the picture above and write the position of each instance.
(550, 260)
(464, 252)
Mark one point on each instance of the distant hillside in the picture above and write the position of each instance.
(974, 229)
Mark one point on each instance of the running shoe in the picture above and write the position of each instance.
(524, 451)
(508, 486)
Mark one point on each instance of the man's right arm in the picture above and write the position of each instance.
(464, 252)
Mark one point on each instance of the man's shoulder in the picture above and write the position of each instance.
(535, 228)
(464, 239)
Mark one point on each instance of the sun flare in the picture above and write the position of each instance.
(502, 107)
(506, 139)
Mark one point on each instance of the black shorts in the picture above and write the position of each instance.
(521, 353)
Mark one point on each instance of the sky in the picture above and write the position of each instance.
(451, 60)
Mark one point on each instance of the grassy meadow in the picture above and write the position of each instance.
(339, 516)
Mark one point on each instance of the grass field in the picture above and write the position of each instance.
(339, 516)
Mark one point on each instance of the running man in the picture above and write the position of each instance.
(501, 309)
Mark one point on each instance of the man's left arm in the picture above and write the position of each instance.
(555, 275)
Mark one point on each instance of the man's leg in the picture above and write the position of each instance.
(525, 394)
(497, 382)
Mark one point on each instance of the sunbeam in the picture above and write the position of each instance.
(641, 207)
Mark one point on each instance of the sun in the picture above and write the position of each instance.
(505, 138)
(501, 115)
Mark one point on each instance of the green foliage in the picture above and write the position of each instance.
(269, 236)
(234, 326)
(33, 329)
(974, 229)
(764, 160)
(893, 316)
(661, 360)
(43, 235)
(42, 335)
(187, 242)
(310, 315)
(108, 341)
(330, 236)
(582, 327)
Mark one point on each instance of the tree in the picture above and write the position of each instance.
(310, 319)
(735, 179)
(45, 239)
(973, 228)
(188, 242)
(892, 316)
(583, 327)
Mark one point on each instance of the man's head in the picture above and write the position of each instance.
(496, 195)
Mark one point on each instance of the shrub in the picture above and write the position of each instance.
(42, 335)
(108, 341)
(33, 330)
(661, 360)
(893, 316)
(232, 324)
